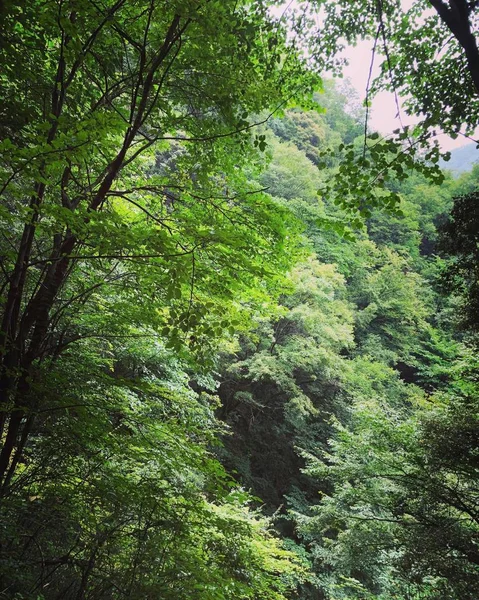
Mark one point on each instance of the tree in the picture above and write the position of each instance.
(119, 496)
(281, 385)
(286, 379)
(94, 95)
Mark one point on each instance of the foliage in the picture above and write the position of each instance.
(278, 404)
(134, 244)
(404, 487)
(206, 288)
(136, 178)
(282, 384)
(426, 46)
(118, 495)
(459, 242)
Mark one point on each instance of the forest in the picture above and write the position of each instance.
(239, 327)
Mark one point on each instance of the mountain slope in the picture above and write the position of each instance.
(462, 159)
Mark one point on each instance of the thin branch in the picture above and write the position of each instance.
(390, 70)
(158, 220)
(228, 133)
(368, 86)
(113, 256)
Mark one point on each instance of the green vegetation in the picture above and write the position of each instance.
(239, 330)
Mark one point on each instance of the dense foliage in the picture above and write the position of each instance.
(365, 391)
(238, 329)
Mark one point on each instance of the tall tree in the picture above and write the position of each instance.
(91, 92)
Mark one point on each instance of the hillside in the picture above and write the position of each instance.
(239, 329)
(462, 159)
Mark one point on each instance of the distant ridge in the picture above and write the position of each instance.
(462, 159)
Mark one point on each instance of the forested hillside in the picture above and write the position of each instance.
(239, 329)
(351, 410)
